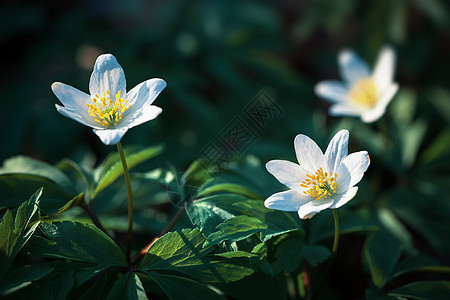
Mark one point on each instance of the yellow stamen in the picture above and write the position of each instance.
(106, 112)
(323, 186)
(364, 93)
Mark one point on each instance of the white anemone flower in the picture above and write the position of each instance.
(362, 93)
(319, 181)
(109, 109)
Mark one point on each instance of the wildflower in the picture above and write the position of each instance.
(319, 181)
(362, 93)
(109, 109)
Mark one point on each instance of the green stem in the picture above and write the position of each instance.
(130, 199)
(336, 230)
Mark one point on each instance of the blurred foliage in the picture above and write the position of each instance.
(217, 56)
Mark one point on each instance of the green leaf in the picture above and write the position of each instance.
(113, 169)
(175, 249)
(184, 251)
(382, 252)
(13, 233)
(77, 241)
(315, 254)
(72, 203)
(176, 287)
(199, 172)
(424, 290)
(30, 166)
(425, 213)
(236, 229)
(129, 286)
(278, 222)
(16, 188)
(395, 227)
(21, 278)
(288, 255)
(291, 251)
(228, 188)
(86, 177)
(207, 213)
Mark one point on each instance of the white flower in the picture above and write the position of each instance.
(362, 93)
(109, 109)
(319, 181)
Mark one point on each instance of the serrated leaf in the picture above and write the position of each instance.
(278, 222)
(207, 213)
(21, 278)
(176, 287)
(175, 249)
(424, 290)
(129, 287)
(115, 170)
(78, 241)
(184, 251)
(14, 233)
(236, 229)
(30, 166)
(382, 252)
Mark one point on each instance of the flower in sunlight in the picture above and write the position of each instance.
(319, 181)
(363, 93)
(109, 109)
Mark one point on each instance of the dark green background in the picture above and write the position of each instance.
(215, 57)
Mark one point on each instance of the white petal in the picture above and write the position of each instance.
(333, 91)
(75, 100)
(352, 67)
(337, 149)
(71, 97)
(110, 136)
(344, 198)
(75, 115)
(286, 201)
(309, 209)
(383, 73)
(345, 110)
(145, 93)
(143, 115)
(309, 155)
(379, 109)
(286, 172)
(351, 170)
(107, 75)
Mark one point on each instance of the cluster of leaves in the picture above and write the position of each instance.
(230, 246)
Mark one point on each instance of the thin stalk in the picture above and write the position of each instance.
(336, 231)
(326, 273)
(90, 211)
(130, 199)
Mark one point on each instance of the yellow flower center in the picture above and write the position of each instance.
(106, 112)
(320, 185)
(364, 92)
